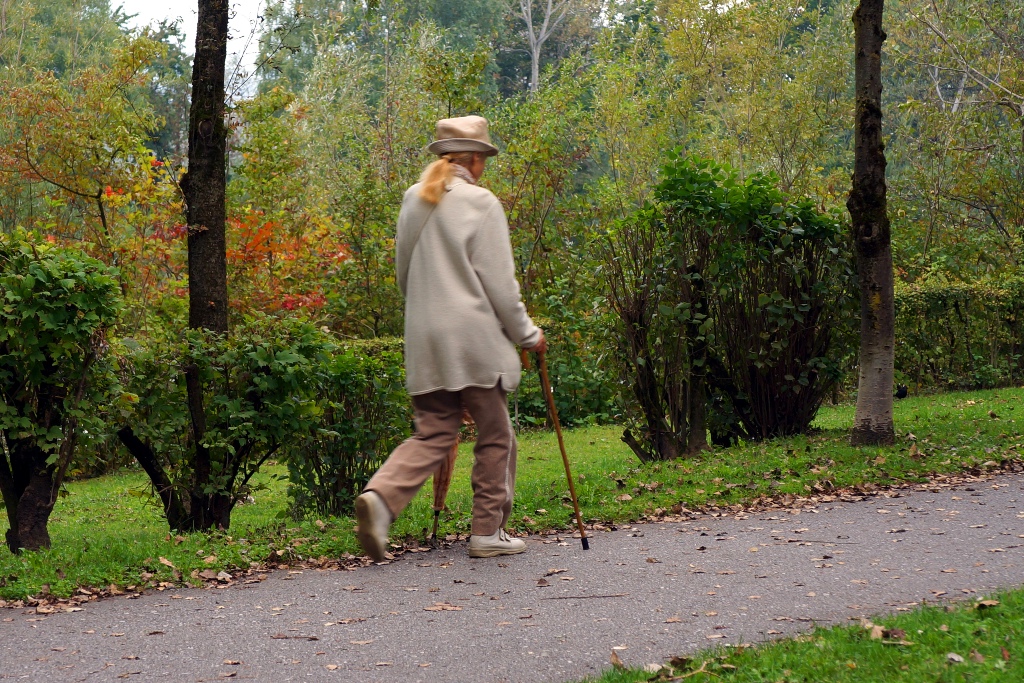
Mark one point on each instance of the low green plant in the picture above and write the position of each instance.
(364, 414)
(773, 274)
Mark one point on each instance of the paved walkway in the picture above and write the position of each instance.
(555, 613)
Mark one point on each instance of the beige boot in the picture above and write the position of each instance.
(374, 518)
(498, 543)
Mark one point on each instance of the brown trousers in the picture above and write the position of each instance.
(438, 418)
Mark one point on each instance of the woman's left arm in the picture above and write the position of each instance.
(490, 252)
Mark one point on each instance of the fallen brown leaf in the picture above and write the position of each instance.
(443, 607)
(284, 636)
(617, 661)
(165, 561)
(232, 662)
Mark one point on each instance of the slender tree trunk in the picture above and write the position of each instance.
(204, 187)
(872, 424)
(205, 183)
(535, 68)
(207, 260)
(178, 517)
(26, 482)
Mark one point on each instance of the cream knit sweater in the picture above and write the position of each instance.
(463, 312)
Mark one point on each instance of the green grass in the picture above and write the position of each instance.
(914, 647)
(109, 530)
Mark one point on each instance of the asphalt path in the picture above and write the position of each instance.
(555, 613)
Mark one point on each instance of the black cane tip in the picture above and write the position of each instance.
(586, 543)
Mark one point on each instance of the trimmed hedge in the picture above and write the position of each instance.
(960, 335)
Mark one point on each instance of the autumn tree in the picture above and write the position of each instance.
(957, 83)
(873, 422)
(82, 139)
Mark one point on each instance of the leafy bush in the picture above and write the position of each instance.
(960, 334)
(56, 305)
(213, 408)
(583, 380)
(731, 298)
(365, 413)
(657, 355)
(775, 276)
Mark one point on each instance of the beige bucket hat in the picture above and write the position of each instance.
(462, 134)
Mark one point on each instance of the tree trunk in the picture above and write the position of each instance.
(534, 68)
(205, 193)
(178, 517)
(27, 486)
(872, 424)
(204, 184)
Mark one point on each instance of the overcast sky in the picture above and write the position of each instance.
(244, 18)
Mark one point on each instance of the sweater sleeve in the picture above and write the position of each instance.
(490, 253)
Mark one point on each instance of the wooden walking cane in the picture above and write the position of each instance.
(545, 384)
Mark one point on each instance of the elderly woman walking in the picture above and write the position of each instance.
(463, 318)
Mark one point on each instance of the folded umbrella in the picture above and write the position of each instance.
(442, 480)
(443, 477)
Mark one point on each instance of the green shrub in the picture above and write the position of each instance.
(213, 408)
(365, 413)
(56, 305)
(732, 298)
(583, 380)
(966, 335)
(775, 277)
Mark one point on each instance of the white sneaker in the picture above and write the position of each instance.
(374, 518)
(498, 543)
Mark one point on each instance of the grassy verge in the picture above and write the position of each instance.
(109, 530)
(978, 642)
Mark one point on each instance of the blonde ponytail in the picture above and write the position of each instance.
(436, 176)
